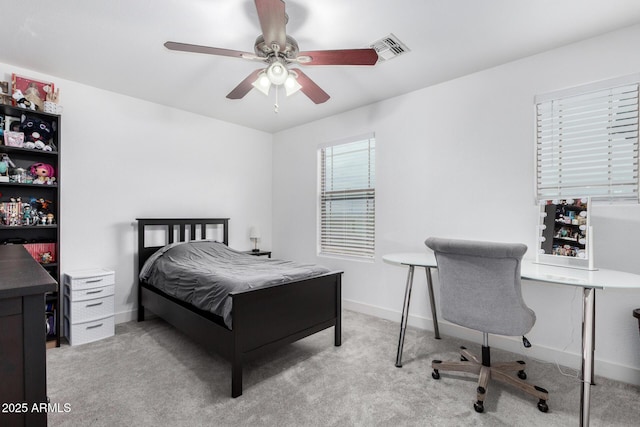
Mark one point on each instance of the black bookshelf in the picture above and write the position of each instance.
(27, 192)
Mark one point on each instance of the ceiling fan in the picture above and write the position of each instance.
(279, 51)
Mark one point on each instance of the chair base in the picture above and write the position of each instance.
(500, 372)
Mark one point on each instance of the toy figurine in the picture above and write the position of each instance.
(46, 257)
(26, 214)
(21, 101)
(42, 203)
(5, 163)
(43, 173)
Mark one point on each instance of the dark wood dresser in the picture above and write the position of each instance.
(23, 373)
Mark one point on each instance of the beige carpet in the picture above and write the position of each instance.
(148, 374)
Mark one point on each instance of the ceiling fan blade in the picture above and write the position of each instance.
(245, 86)
(272, 21)
(185, 47)
(309, 88)
(339, 57)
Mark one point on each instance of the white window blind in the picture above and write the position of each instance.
(347, 198)
(587, 144)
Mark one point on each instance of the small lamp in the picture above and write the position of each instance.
(254, 234)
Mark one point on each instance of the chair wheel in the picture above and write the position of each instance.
(435, 374)
(522, 375)
(542, 406)
(479, 406)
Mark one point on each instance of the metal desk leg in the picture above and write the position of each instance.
(588, 349)
(433, 303)
(405, 314)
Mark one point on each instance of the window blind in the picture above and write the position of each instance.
(347, 199)
(587, 145)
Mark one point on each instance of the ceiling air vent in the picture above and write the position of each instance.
(389, 47)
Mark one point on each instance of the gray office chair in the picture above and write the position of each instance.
(480, 289)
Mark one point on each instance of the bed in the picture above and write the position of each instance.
(262, 318)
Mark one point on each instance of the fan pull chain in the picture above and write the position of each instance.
(275, 106)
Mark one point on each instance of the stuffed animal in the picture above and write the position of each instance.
(36, 129)
(21, 101)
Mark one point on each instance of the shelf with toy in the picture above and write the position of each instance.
(36, 213)
(28, 151)
(30, 190)
(20, 169)
(16, 110)
(28, 184)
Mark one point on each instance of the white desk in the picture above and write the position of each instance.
(413, 260)
(588, 280)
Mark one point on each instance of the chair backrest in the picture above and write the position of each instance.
(480, 285)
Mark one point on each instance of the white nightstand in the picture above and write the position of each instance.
(89, 305)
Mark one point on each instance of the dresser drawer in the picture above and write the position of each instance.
(84, 311)
(82, 333)
(85, 294)
(87, 279)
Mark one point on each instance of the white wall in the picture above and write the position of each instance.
(457, 160)
(123, 158)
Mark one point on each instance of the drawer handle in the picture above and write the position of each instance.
(93, 281)
(95, 292)
(94, 305)
(95, 326)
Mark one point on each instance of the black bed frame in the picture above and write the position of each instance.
(263, 319)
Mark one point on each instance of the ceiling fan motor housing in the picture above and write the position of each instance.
(265, 50)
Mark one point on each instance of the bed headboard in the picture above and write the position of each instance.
(187, 229)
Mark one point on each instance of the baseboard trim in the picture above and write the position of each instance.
(606, 369)
(126, 316)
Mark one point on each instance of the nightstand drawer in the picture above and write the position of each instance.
(82, 333)
(87, 279)
(86, 294)
(84, 311)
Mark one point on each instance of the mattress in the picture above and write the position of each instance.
(203, 273)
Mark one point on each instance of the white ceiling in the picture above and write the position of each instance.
(117, 45)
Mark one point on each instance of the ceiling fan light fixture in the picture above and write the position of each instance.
(262, 83)
(277, 73)
(291, 84)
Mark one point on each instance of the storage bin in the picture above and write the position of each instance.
(89, 305)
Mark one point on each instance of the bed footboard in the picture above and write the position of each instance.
(266, 318)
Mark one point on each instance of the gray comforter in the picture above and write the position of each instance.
(203, 273)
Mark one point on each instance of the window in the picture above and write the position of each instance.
(347, 198)
(587, 142)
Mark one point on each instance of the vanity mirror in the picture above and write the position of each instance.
(565, 233)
